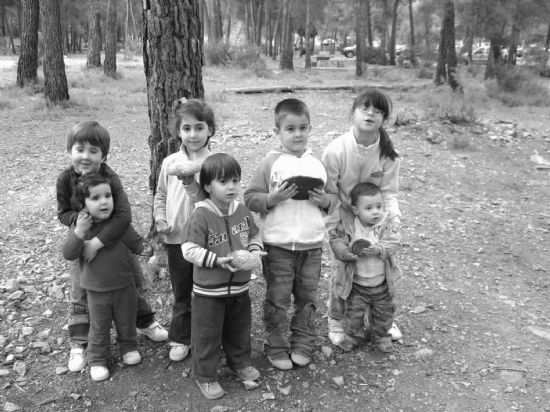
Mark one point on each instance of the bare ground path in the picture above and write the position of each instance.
(473, 307)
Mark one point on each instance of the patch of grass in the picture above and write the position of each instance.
(459, 142)
(518, 86)
(445, 105)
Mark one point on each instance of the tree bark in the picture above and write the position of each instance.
(27, 66)
(55, 80)
(368, 18)
(393, 31)
(229, 10)
(94, 35)
(287, 51)
(109, 64)
(446, 64)
(172, 57)
(360, 12)
(412, 40)
(216, 21)
(307, 63)
(384, 30)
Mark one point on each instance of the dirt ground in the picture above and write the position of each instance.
(473, 306)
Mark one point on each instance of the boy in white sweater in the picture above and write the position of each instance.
(293, 233)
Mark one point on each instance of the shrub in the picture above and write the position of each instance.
(246, 55)
(425, 73)
(446, 105)
(518, 86)
(217, 54)
(375, 55)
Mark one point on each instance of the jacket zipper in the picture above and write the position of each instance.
(226, 219)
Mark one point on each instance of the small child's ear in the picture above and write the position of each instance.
(354, 209)
(276, 131)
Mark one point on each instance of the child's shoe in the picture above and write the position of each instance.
(335, 332)
(384, 345)
(178, 351)
(211, 390)
(249, 373)
(99, 373)
(131, 358)
(281, 362)
(300, 358)
(395, 332)
(154, 332)
(77, 359)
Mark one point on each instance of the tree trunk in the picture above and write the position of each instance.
(307, 63)
(368, 18)
(287, 51)
(2, 18)
(384, 30)
(547, 40)
(27, 66)
(172, 59)
(109, 64)
(259, 23)
(360, 12)
(126, 25)
(446, 64)
(494, 59)
(94, 35)
(55, 80)
(412, 40)
(216, 21)
(228, 14)
(393, 31)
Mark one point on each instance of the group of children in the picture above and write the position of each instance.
(351, 193)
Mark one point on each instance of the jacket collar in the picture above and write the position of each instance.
(212, 207)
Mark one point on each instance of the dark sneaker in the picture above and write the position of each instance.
(211, 390)
(250, 373)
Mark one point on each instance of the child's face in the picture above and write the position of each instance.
(223, 192)
(86, 158)
(367, 119)
(294, 133)
(99, 202)
(369, 209)
(194, 133)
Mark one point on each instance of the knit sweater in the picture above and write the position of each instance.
(174, 202)
(111, 269)
(68, 207)
(290, 224)
(349, 163)
(211, 234)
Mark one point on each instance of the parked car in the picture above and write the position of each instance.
(328, 42)
(349, 51)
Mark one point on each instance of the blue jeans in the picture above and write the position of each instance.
(220, 322)
(290, 273)
(379, 304)
(119, 306)
(181, 276)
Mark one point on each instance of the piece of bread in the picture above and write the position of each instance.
(184, 168)
(358, 245)
(244, 260)
(304, 183)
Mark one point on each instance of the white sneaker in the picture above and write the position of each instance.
(131, 358)
(99, 373)
(395, 332)
(77, 359)
(178, 351)
(154, 332)
(336, 331)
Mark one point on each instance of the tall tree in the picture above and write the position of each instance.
(172, 60)
(307, 63)
(393, 33)
(27, 66)
(384, 29)
(216, 21)
(360, 49)
(55, 79)
(446, 64)
(412, 40)
(368, 18)
(94, 34)
(109, 64)
(287, 46)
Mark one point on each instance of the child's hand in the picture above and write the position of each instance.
(372, 250)
(162, 226)
(347, 256)
(281, 193)
(84, 223)
(91, 248)
(186, 180)
(319, 198)
(224, 262)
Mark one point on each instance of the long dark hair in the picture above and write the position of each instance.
(379, 100)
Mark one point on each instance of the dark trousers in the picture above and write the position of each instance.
(181, 275)
(378, 302)
(79, 321)
(220, 322)
(290, 274)
(119, 306)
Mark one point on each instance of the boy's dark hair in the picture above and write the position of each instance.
(91, 132)
(219, 166)
(290, 106)
(83, 187)
(192, 107)
(363, 189)
(377, 99)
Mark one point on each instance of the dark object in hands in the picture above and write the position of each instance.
(358, 246)
(304, 183)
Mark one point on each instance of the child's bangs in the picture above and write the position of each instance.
(228, 169)
(374, 98)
